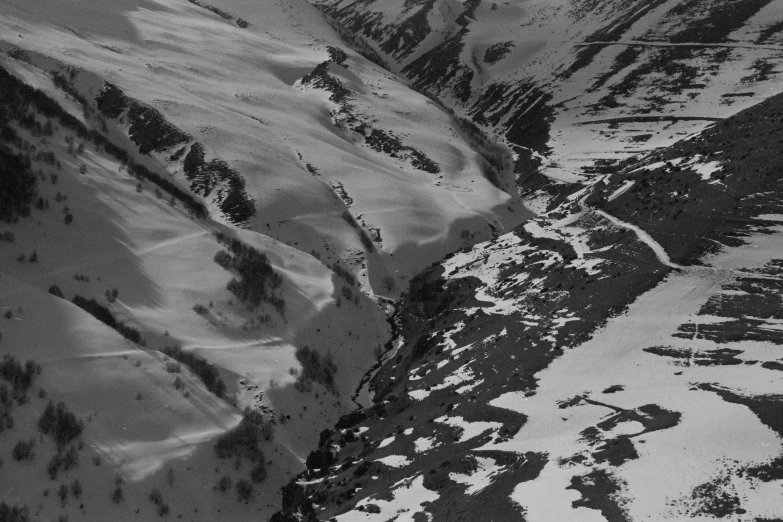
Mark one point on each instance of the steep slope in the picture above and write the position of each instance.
(576, 86)
(86, 221)
(277, 152)
(575, 369)
(227, 185)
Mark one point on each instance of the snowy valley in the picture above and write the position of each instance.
(422, 260)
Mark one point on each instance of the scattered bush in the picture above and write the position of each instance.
(117, 496)
(224, 484)
(244, 440)
(200, 309)
(14, 514)
(244, 490)
(60, 423)
(23, 450)
(20, 376)
(55, 291)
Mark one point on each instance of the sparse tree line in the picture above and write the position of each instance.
(198, 365)
(18, 187)
(103, 314)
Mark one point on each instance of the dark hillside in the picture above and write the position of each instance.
(693, 214)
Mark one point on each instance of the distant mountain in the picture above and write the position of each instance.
(574, 86)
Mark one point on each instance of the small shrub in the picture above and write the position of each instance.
(258, 473)
(76, 489)
(224, 484)
(244, 490)
(117, 496)
(155, 496)
(23, 450)
(200, 309)
(56, 291)
(112, 294)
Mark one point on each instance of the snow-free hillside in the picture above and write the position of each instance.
(580, 83)
(616, 358)
(228, 75)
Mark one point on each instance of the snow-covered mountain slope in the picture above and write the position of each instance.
(87, 223)
(577, 369)
(173, 152)
(582, 83)
(299, 164)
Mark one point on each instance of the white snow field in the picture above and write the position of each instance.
(713, 439)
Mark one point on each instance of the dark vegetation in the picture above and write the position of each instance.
(258, 281)
(148, 127)
(528, 104)
(497, 51)
(17, 97)
(105, 315)
(321, 79)
(610, 32)
(20, 376)
(228, 185)
(17, 181)
(61, 424)
(244, 442)
(198, 365)
(441, 70)
(14, 513)
(506, 363)
(382, 141)
(690, 216)
(497, 158)
(316, 369)
(722, 19)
